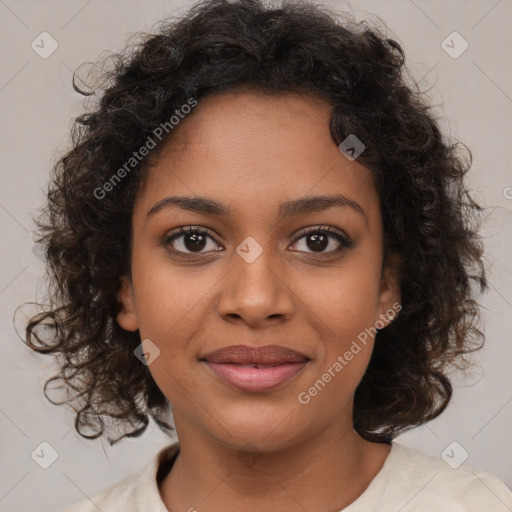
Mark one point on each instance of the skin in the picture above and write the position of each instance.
(259, 451)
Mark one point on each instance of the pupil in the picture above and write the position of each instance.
(198, 241)
(316, 238)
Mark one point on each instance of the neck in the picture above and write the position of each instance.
(327, 472)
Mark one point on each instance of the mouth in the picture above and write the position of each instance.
(255, 369)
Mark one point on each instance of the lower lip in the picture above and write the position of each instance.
(255, 379)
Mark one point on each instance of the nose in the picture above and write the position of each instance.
(256, 292)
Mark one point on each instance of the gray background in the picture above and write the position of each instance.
(472, 94)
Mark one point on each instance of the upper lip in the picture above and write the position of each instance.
(244, 354)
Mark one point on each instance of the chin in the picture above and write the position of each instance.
(258, 430)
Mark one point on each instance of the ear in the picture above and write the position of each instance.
(389, 303)
(127, 315)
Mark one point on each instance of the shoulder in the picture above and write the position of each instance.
(118, 495)
(424, 483)
(137, 492)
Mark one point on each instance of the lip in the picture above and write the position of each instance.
(255, 369)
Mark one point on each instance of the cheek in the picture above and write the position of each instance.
(169, 306)
(345, 307)
(346, 299)
(345, 321)
(169, 298)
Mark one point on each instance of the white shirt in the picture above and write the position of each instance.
(409, 481)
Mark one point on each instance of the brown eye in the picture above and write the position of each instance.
(194, 240)
(318, 239)
(189, 240)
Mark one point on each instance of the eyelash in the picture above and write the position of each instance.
(344, 241)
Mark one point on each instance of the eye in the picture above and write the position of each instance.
(190, 240)
(319, 238)
(194, 240)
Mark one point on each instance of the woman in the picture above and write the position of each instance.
(262, 226)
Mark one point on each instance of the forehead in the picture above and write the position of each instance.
(251, 150)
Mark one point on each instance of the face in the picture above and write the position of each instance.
(261, 269)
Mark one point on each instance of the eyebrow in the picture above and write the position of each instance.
(310, 204)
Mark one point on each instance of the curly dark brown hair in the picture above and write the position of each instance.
(430, 221)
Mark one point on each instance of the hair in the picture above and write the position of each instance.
(430, 221)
